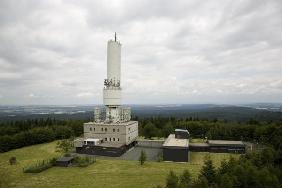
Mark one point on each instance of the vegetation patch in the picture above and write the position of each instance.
(40, 166)
(83, 161)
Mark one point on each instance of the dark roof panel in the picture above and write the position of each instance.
(65, 159)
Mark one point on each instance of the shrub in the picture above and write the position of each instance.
(64, 146)
(83, 161)
(142, 157)
(171, 180)
(160, 157)
(40, 166)
(12, 160)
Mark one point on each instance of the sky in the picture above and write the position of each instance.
(53, 52)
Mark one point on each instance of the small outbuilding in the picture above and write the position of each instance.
(226, 146)
(181, 134)
(199, 147)
(176, 149)
(64, 161)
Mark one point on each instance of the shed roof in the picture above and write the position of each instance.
(225, 142)
(181, 130)
(199, 144)
(172, 141)
(65, 159)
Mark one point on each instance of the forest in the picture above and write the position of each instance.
(20, 133)
(17, 134)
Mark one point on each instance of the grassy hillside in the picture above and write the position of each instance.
(104, 173)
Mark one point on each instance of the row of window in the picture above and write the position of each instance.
(111, 139)
(104, 129)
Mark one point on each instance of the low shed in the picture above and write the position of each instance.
(181, 133)
(64, 161)
(175, 149)
(226, 146)
(199, 147)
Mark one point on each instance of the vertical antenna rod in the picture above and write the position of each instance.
(115, 36)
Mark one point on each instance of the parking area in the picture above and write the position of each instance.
(133, 154)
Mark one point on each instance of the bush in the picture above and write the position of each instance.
(40, 166)
(83, 161)
(160, 157)
(13, 160)
(64, 146)
(142, 157)
(171, 180)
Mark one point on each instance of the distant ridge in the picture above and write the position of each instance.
(202, 111)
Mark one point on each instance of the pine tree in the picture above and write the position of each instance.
(185, 179)
(201, 182)
(172, 180)
(208, 171)
(142, 157)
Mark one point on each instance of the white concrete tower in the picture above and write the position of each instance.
(112, 89)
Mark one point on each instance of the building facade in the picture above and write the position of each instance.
(112, 133)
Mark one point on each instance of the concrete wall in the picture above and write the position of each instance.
(112, 96)
(176, 154)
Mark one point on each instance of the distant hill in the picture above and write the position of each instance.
(201, 111)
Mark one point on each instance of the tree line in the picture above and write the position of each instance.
(17, 134)
(266, 133)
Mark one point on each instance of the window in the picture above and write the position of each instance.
(118, 139)
(129, 129)
(114, 130)
(102, 129)
(90, 128)
(128, 138)
(106, 129)
(110, 139)
(117, 130)
(94, 129)
(114, 139)
(105, 139)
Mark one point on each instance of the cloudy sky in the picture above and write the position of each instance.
(54, 52)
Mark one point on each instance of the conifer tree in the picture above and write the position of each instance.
(208, 171)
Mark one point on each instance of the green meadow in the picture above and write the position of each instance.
(102, 174)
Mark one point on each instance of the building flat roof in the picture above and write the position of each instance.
(181, 130)
(92, 139)
(199, 144)
(172, 141)
(225, 142)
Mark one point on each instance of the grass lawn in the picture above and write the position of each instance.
(102, 174)
(197, 140)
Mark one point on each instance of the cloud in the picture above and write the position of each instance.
(172, 52)
(85, 94)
